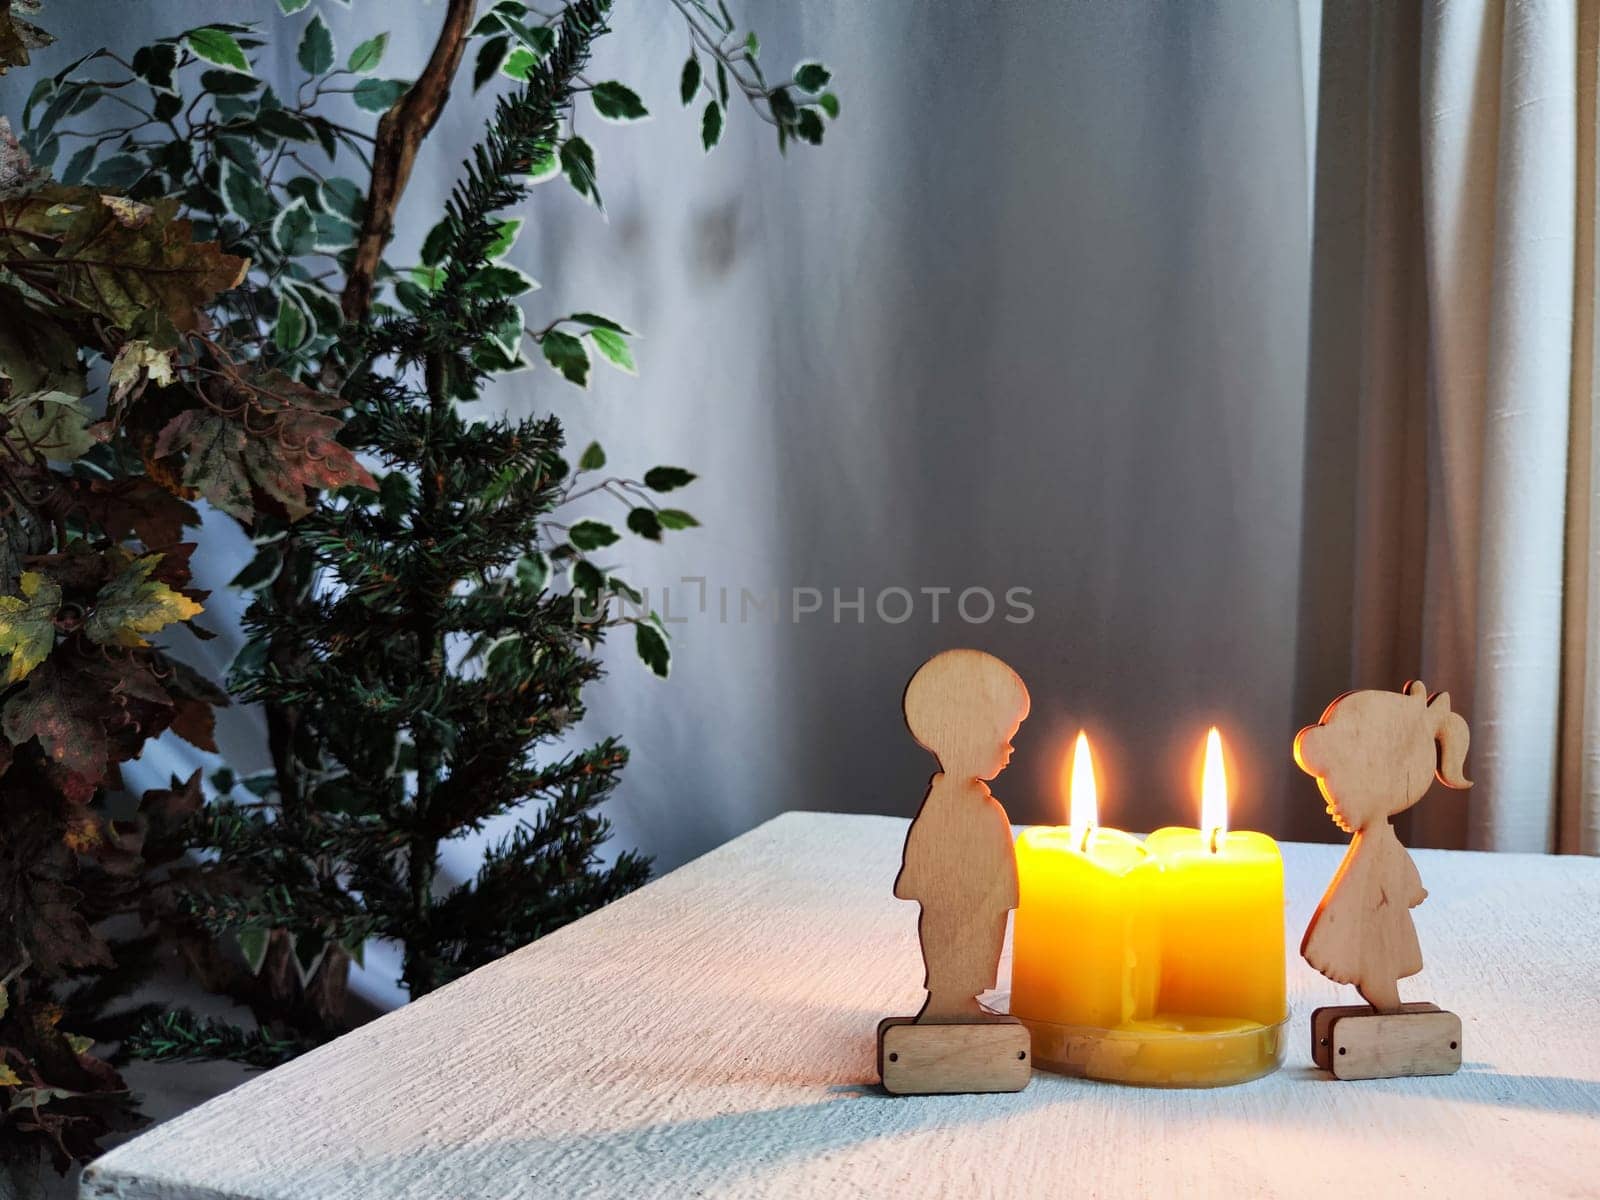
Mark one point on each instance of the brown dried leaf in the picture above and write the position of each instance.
(17, 36)
(134, 265)
(136, 507)
(58, 709)
(213, 458)
(286, 443)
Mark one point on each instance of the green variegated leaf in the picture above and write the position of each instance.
(544, 167)
(315, 53)
(617, 102)
(566, 354)
(592, 535)
(368, 54)
(490, 55)
(219, 47)
(332, 233)
(344, 197)
(711, 125)
(667, 479)
(533, 572)
(577, 163)
(499, 281)
(645, 523)
(613, 348)
(290, 329)
(596, 321)
(294, 229)
(652, 648)
(244, 195)
(812, 77)
(379, 95)
(120, 171)
(675, 518)
(505, 238)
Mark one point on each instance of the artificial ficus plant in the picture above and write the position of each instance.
(493, 601)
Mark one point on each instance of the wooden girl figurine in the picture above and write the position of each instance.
(963, 706)
(1374, 755)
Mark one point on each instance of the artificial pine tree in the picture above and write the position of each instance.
(435, 660)
(374, 762)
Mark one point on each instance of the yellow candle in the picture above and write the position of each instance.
(1221, 913)
(1084, 937)
(1158, 962)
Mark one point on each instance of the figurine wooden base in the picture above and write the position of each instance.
(988, 1054)
(1355, 1041)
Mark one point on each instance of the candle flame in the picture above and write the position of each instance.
(1084, 800)
(1214, 791)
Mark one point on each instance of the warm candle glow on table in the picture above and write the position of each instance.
(1159, 961)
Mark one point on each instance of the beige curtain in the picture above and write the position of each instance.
(1454, 322)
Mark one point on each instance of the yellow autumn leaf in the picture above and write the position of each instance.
(135, 361)
(133, 604)
(130, 214)
(28, 624)
(8, 1077)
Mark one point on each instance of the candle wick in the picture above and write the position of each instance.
(1216, 836)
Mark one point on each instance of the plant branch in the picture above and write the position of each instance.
(400, 132)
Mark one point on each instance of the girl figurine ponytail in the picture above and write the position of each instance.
(1375, 754)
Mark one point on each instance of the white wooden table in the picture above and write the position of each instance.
(712, 1035)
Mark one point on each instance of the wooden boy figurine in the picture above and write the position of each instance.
(1374, 754)
(963, 706)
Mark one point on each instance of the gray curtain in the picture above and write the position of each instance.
(1450, 500)
(1034, 317)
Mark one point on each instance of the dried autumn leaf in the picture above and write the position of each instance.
(17, 172)
(53, 425)
(134, 265)
(133, 604)
(300, 453)
(297, 449)
(17, 36)
(138, 363)
(213, 462)
(131, 214)
(59, 709)
(28, 624)
(166, 812)
(8, 1077)
(41, 382)
(134, 507)
(194, 698)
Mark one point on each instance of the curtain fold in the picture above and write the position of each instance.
(1578, 817)
(1476, 563)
